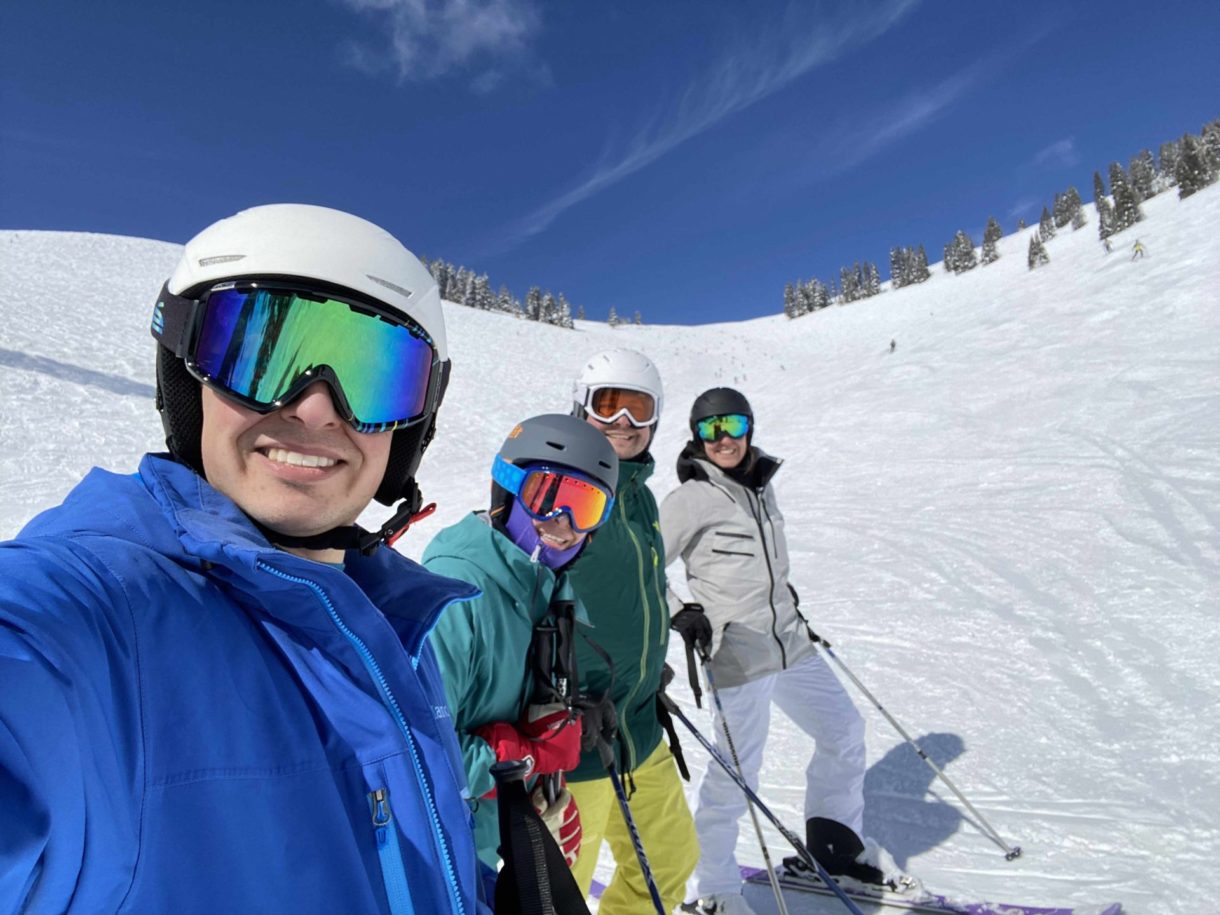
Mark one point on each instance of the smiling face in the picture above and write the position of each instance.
(726, 453)
(628, 441)
(557, 533)
(301, 470)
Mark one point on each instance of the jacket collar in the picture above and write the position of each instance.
(638, 469)
(694, 465)
(475, 540)
(212, 529)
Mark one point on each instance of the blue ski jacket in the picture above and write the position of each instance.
(194, 721)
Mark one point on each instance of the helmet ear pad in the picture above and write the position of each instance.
(180, 403)
(407, 449)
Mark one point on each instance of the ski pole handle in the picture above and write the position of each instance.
(509, 771)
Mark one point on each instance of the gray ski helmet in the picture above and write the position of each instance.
(559, 441)
(719, 402)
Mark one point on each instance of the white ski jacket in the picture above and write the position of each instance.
(730, 534)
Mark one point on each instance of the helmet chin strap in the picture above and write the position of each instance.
(353, 536)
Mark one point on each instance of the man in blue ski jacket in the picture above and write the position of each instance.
(216, 693)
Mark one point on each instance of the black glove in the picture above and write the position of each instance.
(693, 625)
(667, 676)
(599, 721)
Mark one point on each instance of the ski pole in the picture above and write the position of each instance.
(535, 879)
(728, 737)
(1010, 851)
(607, 755)
(787, 833)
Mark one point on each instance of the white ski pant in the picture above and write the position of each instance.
(815, 700)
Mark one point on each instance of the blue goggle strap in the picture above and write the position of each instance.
(509, 476)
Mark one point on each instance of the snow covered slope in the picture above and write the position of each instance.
(1009, 526)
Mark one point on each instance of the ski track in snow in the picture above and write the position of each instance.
(1008, 527)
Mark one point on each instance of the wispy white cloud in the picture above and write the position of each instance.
(848, 145)
(1023, 206)
(433, 38)
(740, 79)
(1060, 154)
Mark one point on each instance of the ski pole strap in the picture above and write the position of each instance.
(693, 676)
(535, 879)
(552, 654)
(675, 747)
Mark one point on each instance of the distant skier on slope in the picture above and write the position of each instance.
(893, 345)
(1137, 250)
(723, 520)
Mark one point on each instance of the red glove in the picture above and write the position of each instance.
(547, 739)
(562, 819)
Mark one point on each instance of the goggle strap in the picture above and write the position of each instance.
(172, 321)
(509, 476)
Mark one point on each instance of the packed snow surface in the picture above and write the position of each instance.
(1008, 526)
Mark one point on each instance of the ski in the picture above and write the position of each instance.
(909, 896)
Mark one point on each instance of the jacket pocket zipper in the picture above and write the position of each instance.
(393, 874)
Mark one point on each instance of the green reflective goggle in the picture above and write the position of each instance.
(734, 425)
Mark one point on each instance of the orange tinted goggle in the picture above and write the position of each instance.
(608, 404)
(546, 493)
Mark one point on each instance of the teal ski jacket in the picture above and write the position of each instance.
(482, 646)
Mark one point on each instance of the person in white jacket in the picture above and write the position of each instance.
(724, 523)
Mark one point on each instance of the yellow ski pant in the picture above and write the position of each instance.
(663, 819)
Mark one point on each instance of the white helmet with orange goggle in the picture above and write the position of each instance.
(616, 383)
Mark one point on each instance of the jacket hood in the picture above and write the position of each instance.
(476, 542)
(760, 467)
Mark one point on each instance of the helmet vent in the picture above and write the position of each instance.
(558, 446)
(220, 259)
(405, 293)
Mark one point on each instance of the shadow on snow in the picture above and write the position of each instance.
(901, 809)
(65, 371)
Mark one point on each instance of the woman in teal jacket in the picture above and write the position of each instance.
(553, 483)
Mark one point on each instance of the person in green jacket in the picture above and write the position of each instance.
(620, 579)
(552, 485)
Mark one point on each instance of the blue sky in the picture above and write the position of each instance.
(685, 159)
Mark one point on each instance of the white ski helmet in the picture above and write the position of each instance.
(616, 368)
(316, 245)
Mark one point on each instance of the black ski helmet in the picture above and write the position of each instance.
(720, 402)
(323, 247)
(557, 440)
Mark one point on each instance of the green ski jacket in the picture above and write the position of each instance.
(620, 579)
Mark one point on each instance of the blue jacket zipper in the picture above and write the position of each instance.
(388, 700)
(388, 851)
